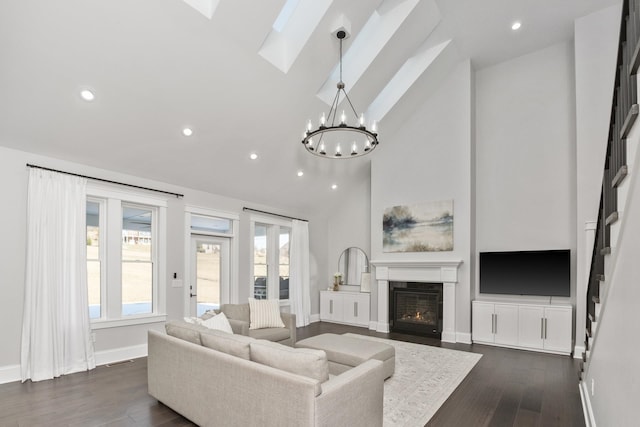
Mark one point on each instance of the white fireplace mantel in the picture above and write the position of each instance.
(439, 271)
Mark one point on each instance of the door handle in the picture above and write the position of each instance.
(495, 322)
(545, 328)
(355, 309)
(542, 328)
(330, 306)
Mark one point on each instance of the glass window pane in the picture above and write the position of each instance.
(208, 265)
(93, 258)
(283, 268)
(260, 262)
(137, 265)
(137, 288)
(211, 224)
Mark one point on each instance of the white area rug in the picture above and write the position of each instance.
(425, 377)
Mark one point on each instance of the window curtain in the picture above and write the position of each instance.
(299, 273)
(56, 332)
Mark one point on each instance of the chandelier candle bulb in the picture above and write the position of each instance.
(343, 118)
(309, 126)
(374, 126)
(362, 120)
(354, 150)
(323, 120)
(338, 151)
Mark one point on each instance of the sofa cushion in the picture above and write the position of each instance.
(236, 311)
(301, 361)
(264, 313)
(271, 334)
(218, 322)
(185, 331)
(235, 345)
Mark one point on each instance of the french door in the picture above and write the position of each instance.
(209, 282)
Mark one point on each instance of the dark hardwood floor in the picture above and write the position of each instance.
(506, 388)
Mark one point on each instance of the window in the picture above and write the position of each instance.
(125, 235)
(270, 258)
(94, 264)
(137, 260)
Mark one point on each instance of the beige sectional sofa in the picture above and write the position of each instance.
(214, 378)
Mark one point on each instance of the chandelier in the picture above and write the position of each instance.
(335, 137)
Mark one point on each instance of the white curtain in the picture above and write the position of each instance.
(299, 273)
(56, 332)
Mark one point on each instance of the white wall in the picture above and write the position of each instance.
(525, 142)
(349, 225)
(596, 50)
(429, 159)
(13, 213)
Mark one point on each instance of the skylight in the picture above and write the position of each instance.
(292, 29)
(375, 34)
(285, 15)
(205, 7)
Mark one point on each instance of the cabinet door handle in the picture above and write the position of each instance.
(494, 327)
(330, 306)
(545, 328)
(541, 328)
(355, 309)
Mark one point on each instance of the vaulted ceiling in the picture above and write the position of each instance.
(244, 75)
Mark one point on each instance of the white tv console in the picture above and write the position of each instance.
(527, 326)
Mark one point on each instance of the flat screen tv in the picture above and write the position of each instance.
(544, 273)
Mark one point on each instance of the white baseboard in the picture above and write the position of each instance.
(373, 325)
(11, 373)
(120, 354)
(463, 337)
(382, 327)
(577, 351)
(314, 318)
(587, 409)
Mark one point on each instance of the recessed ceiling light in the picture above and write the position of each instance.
(334, 186)
(253, 156)
(187, 131)
(300, 173)
(516, 25)
(87, 95)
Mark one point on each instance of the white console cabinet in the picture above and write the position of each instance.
(535, 327)
(351, 308)
(495, 323)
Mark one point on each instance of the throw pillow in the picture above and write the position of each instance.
(219, 322)
(301, 361)
(264, 313)
(235, 345)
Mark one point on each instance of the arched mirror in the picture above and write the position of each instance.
(352, 263)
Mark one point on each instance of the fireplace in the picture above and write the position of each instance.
(424, 271)
(416, 308)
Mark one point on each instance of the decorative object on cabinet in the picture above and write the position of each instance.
(352, 264)
(427, 227)
(365, 282)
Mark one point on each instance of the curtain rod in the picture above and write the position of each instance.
(106, 180)
(274, 214)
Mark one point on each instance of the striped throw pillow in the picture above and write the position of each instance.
(264, 313)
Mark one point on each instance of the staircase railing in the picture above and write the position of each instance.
(624, 111)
